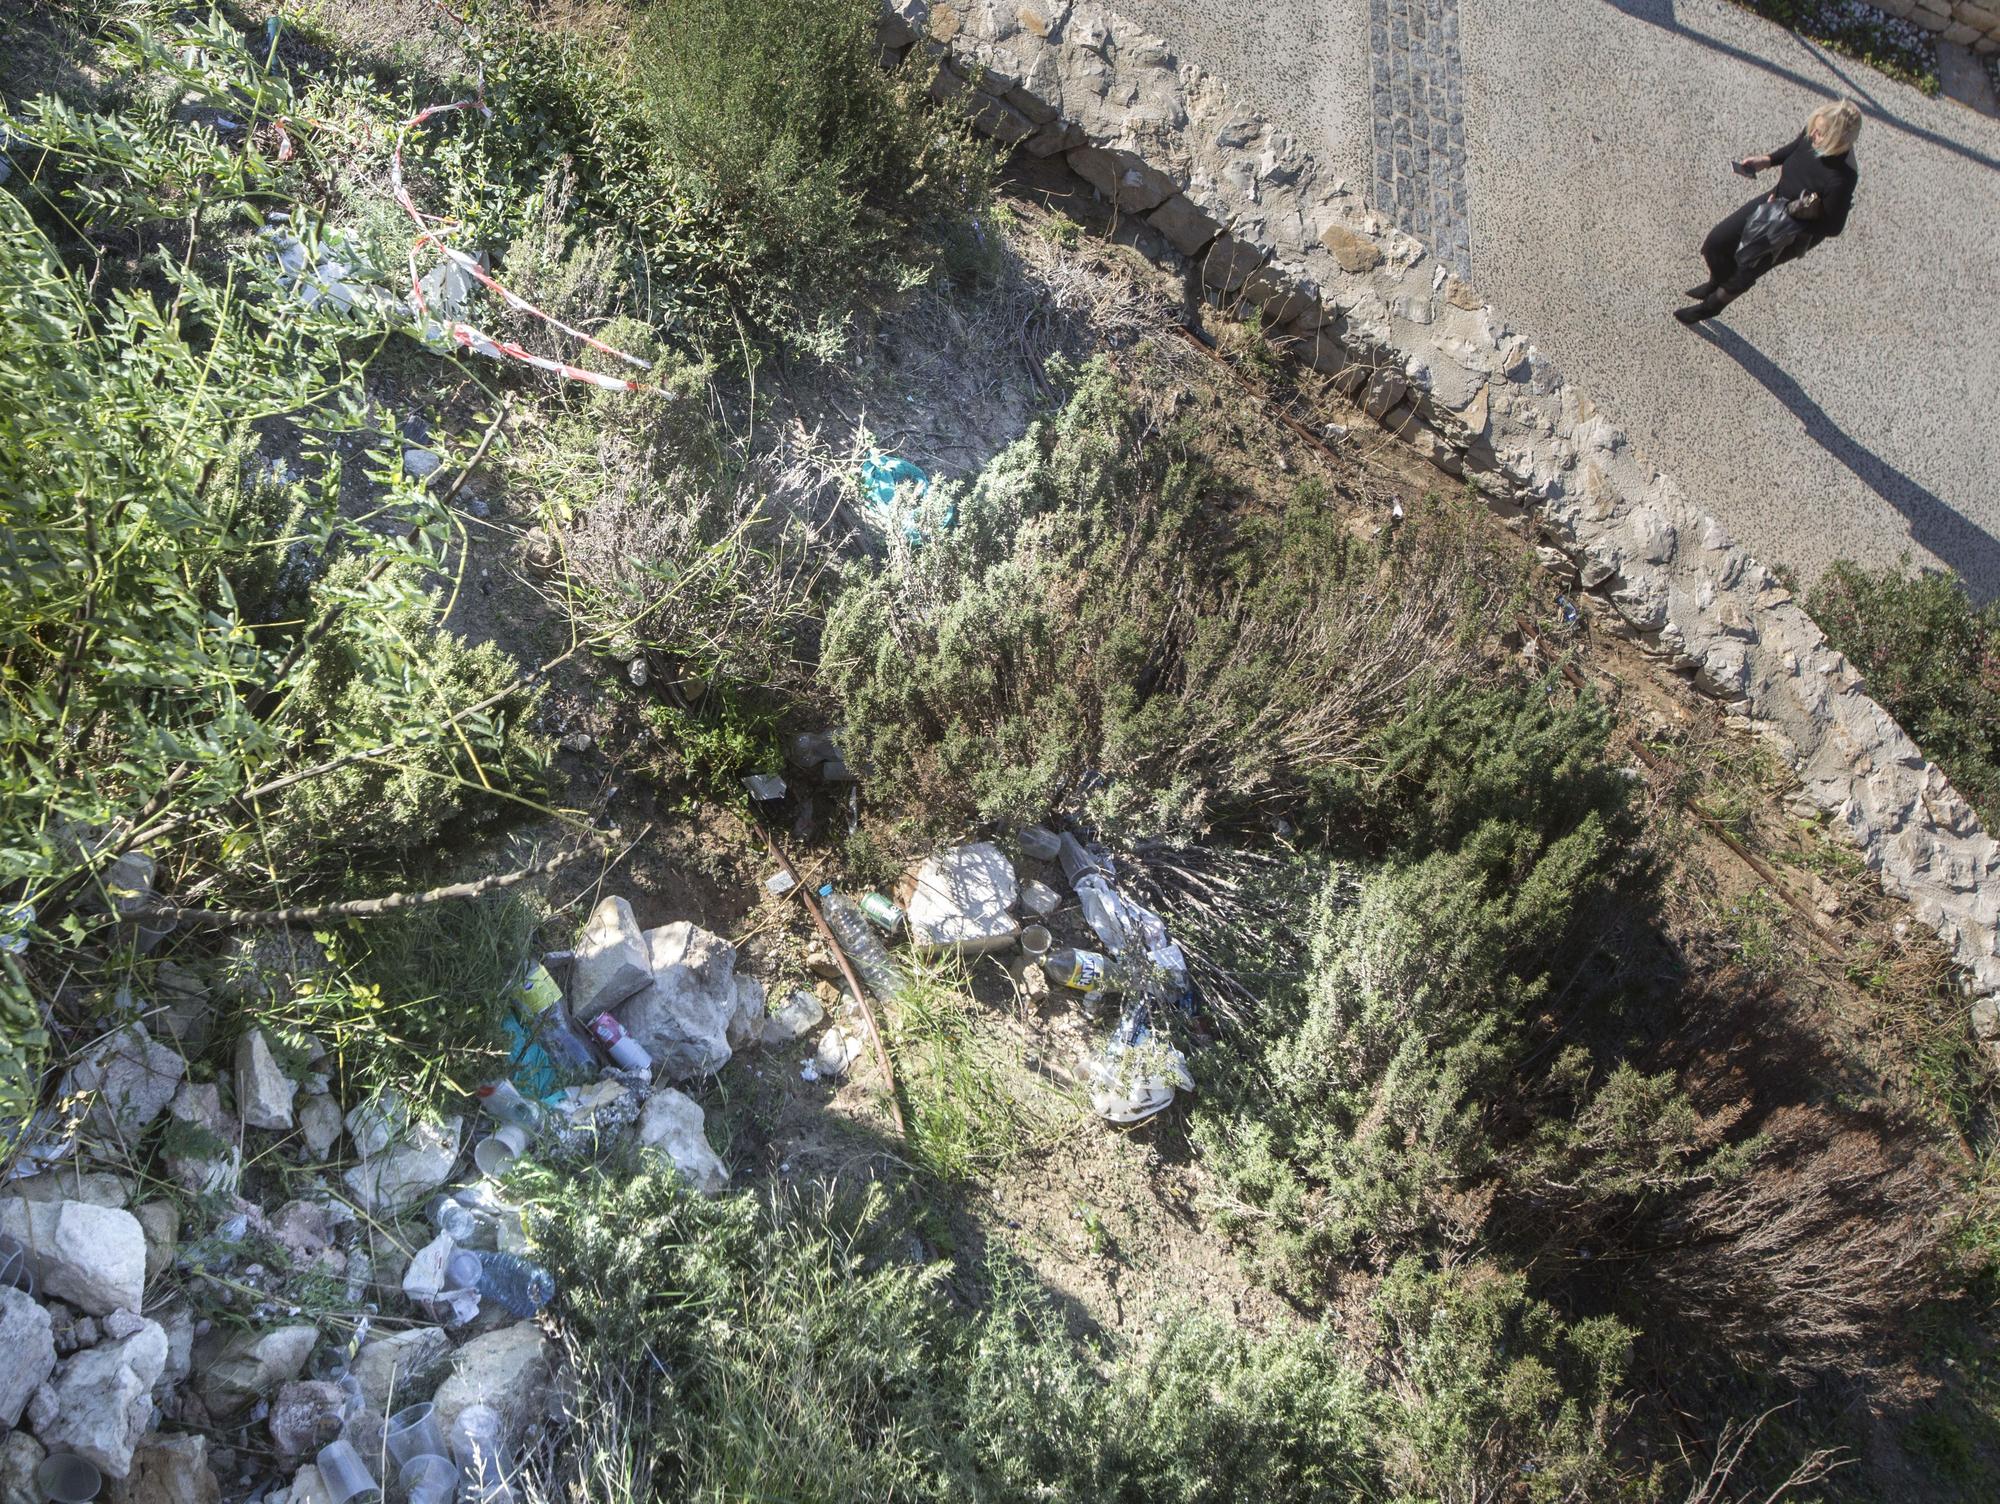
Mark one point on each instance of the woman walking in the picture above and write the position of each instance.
(1810, 204)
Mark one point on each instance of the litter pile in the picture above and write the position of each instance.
(318, 1302)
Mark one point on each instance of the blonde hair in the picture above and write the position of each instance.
(1832, 127)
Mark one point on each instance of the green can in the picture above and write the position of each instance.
(538, 991)
(882, 912)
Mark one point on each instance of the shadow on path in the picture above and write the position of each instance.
(1660, 13)
(1934, 524)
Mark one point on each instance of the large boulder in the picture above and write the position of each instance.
(263, 1092)
(27, 1352)
(104, 1399)
(964, 901)
(682, 1018)
(94, 1257)
(407, 1171)
(239, 1369)
(672, 1123)
(131, 1078)
(399, 1370)
(169, 1470)
(611, 963)
(507, 1369)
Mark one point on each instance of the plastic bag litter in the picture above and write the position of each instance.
(1135, 1074)
(890, 487)
(325, 279)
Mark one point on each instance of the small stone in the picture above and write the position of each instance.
(160, 1222)
(797, 1016)
(267, 965)
(20, 1455)
(401, 1369)
(1354, 253)
(672, 1123)
(319, 1124)
(169, 1470)
(200, 1147)
(611, 960)
(27, 1352)
(305, 1416)
(301, 1226)
(94, 1257)
(378, 1123)
(132, 1079)
(104, 1400)
(94, 1187)
(837, 1050)
(263, 1092)
(43, 1408)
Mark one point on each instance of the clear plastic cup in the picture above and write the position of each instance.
(478, 1440)
(64, 1478)
(345, 1476)
(1035, 941)
(428, 1480)
(413, 1432)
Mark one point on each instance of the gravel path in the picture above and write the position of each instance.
(1572, 153)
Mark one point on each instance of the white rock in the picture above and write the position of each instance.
(211, 1166)
(682, 1018)
(160, 1222)
(611, 961)
(747, 1022)
(672, 1123)
(507, 1369)
(391, 1370)
(94, 1257)
(963, 901)
(67, 1184)
(133, 1078)
(20, 1455)
(378, 1123)
(800, 1013)
(27, 1352)
(319, 1124)
(104, 1400)
(239, 1369)
(405, 1172)
(263, 1092)
(1039, 899)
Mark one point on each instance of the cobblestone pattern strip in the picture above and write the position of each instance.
(1418, 87)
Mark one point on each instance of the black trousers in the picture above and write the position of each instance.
(1719, 251)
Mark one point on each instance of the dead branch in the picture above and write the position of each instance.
(358, 909)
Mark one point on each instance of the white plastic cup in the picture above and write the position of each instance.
(344, 1476)
(462, 1270)
(1035, 941)
(65, 1478)
(499, 1149)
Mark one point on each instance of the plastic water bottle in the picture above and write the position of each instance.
(878, 973)
(518, 1285)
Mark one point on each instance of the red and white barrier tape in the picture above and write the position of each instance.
(475, 340)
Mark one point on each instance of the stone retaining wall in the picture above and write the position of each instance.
(1425, 356)
(1970, 23)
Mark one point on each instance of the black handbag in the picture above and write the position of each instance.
(1774, 227)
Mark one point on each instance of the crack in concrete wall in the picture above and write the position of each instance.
(1349, 293)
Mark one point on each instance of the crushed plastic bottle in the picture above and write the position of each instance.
(872, 963)
(1083, 971)
(518, 1285)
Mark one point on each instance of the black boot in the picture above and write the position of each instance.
(1700, 290)
(1707, 308)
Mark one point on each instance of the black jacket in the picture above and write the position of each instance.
(1803, 170)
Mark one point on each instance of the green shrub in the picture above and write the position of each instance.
(1931, 658)
(1098, 628)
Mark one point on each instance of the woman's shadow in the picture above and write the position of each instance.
(1934, 524)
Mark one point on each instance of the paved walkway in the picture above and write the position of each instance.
(1570, 154)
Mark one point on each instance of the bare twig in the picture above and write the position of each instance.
(359, 908)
